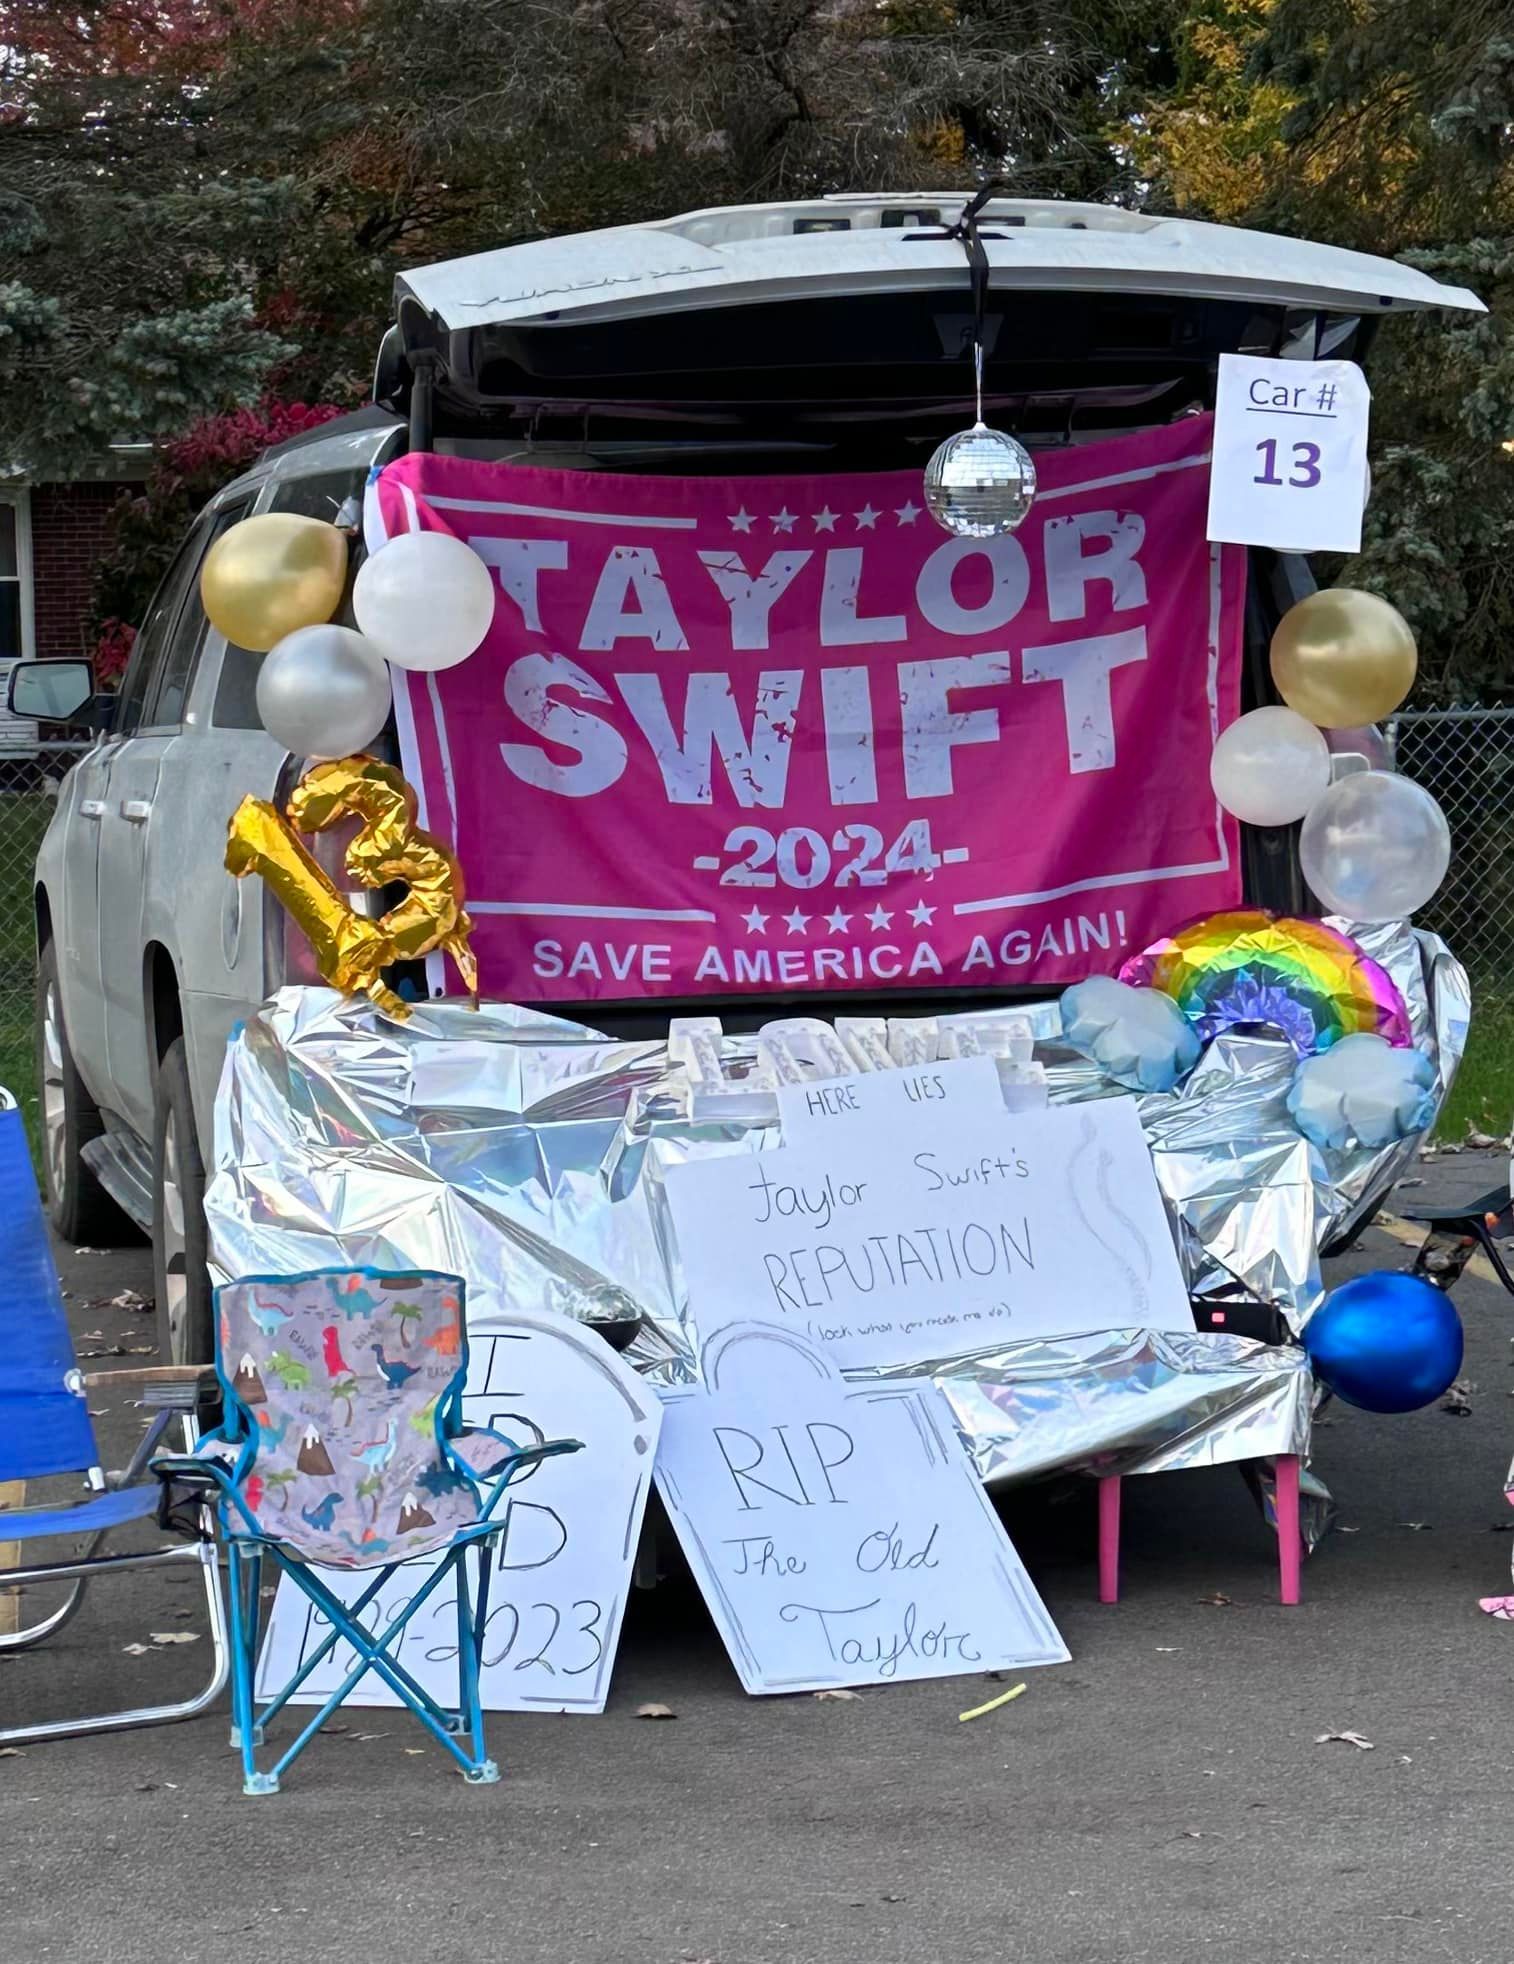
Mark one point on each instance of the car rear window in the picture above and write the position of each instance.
(318, 496)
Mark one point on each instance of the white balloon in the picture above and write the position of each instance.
(425, 600)
(1375, 847)
(1270, 766)
(324, 692)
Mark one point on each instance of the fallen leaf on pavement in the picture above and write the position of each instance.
(174, 1636)
(1347, 1739)
(11, 1752)
(415, 1752)
(136, 1649)
(1500, 1606)
(840, 1697)
(89, 1251)
(656, 1712)
(1458, 1400)
(1216, 1601)
(1480, 1141)
(131, 1299)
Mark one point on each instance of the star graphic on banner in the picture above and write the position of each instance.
(825, 519)
(921, 915)
(880, 916)
(796, 923)
(742, 520)
(907, 513)
(756, 921)
(837, 922)
(867, 518)
(783, 521)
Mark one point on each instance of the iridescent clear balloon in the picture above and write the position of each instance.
(1375, 847)
(980, 483)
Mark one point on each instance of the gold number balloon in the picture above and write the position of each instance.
(351, 950)
(268, 575)
(1341, 657)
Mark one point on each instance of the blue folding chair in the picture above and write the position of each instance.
(45, 1430)
(344, 1447)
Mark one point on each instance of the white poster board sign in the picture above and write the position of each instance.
(894, 1243)
(1289, 462)
(963, 1087)
(563, 1572)
(840, 1533)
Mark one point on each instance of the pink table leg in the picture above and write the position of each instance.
(1109, 1539)
(1290, 1543)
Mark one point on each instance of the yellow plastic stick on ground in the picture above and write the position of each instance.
(992, 1705)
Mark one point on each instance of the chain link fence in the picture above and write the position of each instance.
(1465, 759)
(28, 787)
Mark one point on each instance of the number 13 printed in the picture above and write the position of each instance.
(1305, 474)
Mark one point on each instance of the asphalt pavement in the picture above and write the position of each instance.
(1165, 1796)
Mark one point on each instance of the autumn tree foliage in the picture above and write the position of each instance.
(203, 203)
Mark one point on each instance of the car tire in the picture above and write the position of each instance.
(80, 1208)
(180, 1246)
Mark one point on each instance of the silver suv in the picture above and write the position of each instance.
(826, 335)
(149, 952)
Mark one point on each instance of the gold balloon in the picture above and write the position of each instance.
(1341, 657)
(352, 950)
(267, 576)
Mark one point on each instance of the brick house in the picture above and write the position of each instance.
(51, 537)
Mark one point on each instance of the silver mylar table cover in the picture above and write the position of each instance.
(530, 1155)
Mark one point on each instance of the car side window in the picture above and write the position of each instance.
(320, 495)
(151, 643)
(165, 707)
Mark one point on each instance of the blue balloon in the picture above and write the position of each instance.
(1385, 1342)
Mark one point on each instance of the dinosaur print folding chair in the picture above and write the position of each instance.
(45, 1432)
(344, 1447)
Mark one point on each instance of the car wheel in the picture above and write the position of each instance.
(180, 1251)
(81, 1209)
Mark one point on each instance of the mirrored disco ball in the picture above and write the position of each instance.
(980, 483)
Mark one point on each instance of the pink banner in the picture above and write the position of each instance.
(783, 733)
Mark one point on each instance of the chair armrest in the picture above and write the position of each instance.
(165, 1387)
(1497, 1204)
(499, 1459)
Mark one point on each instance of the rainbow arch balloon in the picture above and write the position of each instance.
(1308, 980)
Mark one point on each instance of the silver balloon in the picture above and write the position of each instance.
(1375, 847)
(324, 692)
(980, 483)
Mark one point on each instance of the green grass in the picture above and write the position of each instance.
(1482, 1098)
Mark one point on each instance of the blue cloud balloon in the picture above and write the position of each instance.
(1139, 1037)
(1362, 1090)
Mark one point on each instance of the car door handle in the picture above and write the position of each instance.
(91, 808)
(136, 810)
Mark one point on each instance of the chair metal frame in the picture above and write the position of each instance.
(249, 1540)
(173, 1391)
